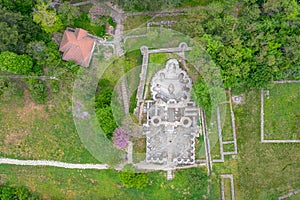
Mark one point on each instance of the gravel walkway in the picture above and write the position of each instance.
(52, 164)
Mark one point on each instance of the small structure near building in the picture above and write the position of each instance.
(77, 46)
(171, 124)
(238, 99)
(110, 30)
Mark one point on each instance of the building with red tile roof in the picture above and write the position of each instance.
(77, 46)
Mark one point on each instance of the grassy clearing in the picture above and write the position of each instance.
(226, 122)
(228, 147)
(200, 148)
(95, 184)
(282, 112)
(265, 171)
(35, 131)
(212, 127)
(139, 150)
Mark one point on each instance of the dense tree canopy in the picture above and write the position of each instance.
(253, 44)
(68, 13)
(146, 5)
(22, 6)
(17, 30)
(18, 64)
(48, 19)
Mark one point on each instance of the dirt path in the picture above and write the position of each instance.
(52, 163)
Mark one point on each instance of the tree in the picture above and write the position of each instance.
(48, 19)
(252, 43)
(37, 50)
(17, 30)
(23, 6)
(201, 95)
(106, 120)
(68, 13)
(18, 64)
(120, 138)
(8, 36)
(7, 89)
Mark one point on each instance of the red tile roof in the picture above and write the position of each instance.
(77, 46)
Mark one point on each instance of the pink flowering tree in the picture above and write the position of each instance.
(120, 138)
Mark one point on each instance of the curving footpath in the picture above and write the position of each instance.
(52, 164)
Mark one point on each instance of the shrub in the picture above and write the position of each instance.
(106, 120)
(16, 192)
(37, 90)
(120, 138)
(84, 22)
(130, 179)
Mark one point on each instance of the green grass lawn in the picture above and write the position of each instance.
(226, 122)
(58, 183)
(294, 197)
(282, 112)
(260, 171)
(34, 131)
(227, 189)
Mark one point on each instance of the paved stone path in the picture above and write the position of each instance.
(288, 81)
(289, 195)
(150, 166)
(52, 163)
(81, 3)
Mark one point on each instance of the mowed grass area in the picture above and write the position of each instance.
(226, 122)
(58, 183)
(282, 112)
(260, 171)
(34, 131)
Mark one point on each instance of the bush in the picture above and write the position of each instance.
(17, 192)
(84, 22)
(130, 179)
(8, 89)
(106, 120)
(201, 95)
(112, 23)
(104, 98)
(195, 179)
(37, 90)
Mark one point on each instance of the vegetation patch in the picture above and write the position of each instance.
(282, 112)
(262, 171)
